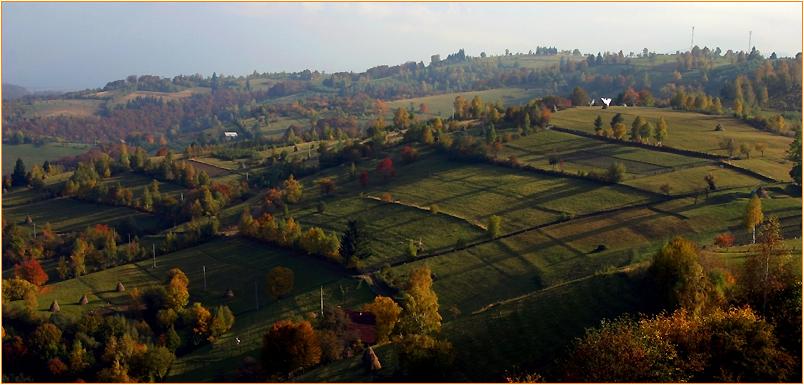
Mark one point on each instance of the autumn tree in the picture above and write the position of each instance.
(222, 320)
(761, 147)
(176, 290)
(386, 313)
(753, 216)
(661, 131)
(46, 341)
(423, 358)
(279, 282)
(402, 118)
(767, 273)
(291, 190)
(289, 346)
(31, 271)
(579, 97)
(386, 168)
(621, 351)
(420, 306)
(678, 275)
(618, 118)
(619, 130)
(745, 150)
(636, 125)
(615, 172)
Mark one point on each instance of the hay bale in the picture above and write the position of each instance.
(229, 293)
(84, 300)
(54, 307)
(120, 287)
(371, 361)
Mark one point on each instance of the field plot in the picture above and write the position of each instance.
(442, 105)
(66, 214)
(534, 330)
(576, 153)
(32, 154)
(392, 226)
(779, 170)
(521, 198)
(214, 167)
(692, 180)
(470, 279)
(473, 278)
(727, 209)
(687, 130)
(64, 107)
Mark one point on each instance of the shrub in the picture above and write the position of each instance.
(724, 240)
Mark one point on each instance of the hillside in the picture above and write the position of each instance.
(466, 220)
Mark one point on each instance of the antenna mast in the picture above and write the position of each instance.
(749, 41)
(692, 38)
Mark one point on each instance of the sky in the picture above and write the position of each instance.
(69, 46)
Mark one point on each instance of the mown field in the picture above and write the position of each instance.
(32, 154)
(66, 215)
(692, 131)
(63, 107)
(442, 105)
(577, 153)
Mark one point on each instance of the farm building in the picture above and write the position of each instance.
(230, 135)
(364, 325)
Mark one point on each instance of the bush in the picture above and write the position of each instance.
(724, 240)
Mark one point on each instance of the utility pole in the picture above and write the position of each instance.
(322, 301)
(153, 253)
(204, 268)
(34, 228)
(749, 41)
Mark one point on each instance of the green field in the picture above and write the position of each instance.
(65, 107)
(686, 130)
(577, 153)
(66, 214)
(442, 105)
(32, 154)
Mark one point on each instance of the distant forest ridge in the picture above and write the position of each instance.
(194, 108)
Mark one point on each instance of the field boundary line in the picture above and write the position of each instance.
(427, 209)
(492, 305)
(672, 150)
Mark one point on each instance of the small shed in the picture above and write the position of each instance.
(54, 307)
(84, 300)
(120, 287)
(229, 293)
(364, 324)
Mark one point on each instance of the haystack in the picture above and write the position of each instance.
(84, 300)
(54, 307)
(371, 361)
(120, 287)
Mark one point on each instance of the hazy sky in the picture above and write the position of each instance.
(80, 45)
